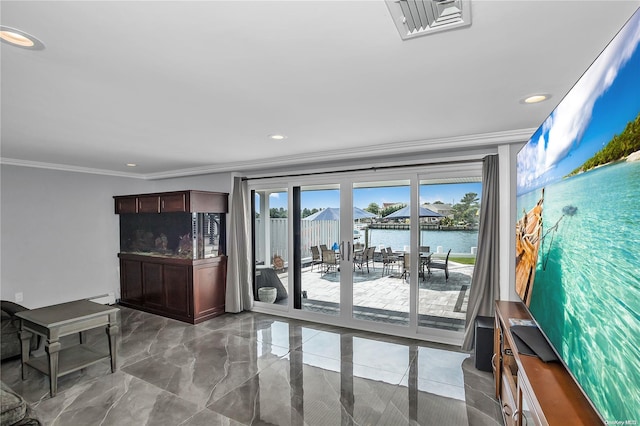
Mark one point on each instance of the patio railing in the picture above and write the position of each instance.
(312, 233)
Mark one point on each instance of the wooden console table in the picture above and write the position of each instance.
(54, 322)
(533, 392)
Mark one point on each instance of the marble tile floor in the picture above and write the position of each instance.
(257, 369)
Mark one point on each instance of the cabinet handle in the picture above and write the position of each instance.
(493, 362)
(515, 416)
(507, 410)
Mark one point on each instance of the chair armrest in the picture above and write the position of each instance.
(12, 308)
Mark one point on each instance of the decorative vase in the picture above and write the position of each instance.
(267, 294)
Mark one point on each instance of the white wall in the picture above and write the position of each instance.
(60, 235)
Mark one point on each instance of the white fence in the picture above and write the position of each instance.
(312, 233)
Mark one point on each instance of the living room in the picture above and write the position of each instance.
(59, 232)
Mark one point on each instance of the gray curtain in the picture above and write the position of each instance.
(485, 285)
(239, 295)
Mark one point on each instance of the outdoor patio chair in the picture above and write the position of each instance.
(406, 266)
(359, 258)
(329, 261)
(316, 259)
(388, 261)
(424, 261)
(363, 258)
(371, 252)
(392, 255)
(440, 265)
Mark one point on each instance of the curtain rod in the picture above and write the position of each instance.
(365, 169)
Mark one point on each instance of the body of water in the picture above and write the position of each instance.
(586, 294)
(397, 239)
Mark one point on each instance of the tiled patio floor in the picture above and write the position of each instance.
(385, 298)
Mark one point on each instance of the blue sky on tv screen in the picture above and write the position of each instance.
(599, 106)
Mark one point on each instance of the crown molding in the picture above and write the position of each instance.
(483, 140)
(66, 168)
(454, 143)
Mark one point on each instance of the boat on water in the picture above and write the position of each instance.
(528, 238)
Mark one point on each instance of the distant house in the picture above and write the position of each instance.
(387, 205)
(443, 209)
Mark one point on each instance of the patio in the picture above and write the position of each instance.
(385, 298)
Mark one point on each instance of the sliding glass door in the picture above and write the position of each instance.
(381, 251)
(271, 245)
(448, 238)
(320, 243)
(380, 284)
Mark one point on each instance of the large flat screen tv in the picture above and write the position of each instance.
(578, 229)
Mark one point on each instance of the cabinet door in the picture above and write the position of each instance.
(174, 203)
(131, 281)
(209, 284)
(177, 281)
(126, 205)
(496, 360)
(149, 204)
(529, 415)
(152, 285)
(508, 401)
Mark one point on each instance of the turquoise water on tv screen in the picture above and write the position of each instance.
(586, 295)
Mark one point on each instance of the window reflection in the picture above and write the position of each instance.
(310, 375)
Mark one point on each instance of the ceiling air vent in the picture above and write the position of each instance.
(416, 18)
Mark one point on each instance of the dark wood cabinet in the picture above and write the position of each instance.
(189, 289)
(127, 205)
(148, 204)
(152, 285)
(177, 280)
(172, 202)
(131, 273)
(207, 300)
(533, 392)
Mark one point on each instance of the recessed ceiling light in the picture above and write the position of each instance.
(277, 137)
(19, 38)
(131, 164)
(534, 99)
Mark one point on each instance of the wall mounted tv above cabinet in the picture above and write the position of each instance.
(173, 253)
(578, 233)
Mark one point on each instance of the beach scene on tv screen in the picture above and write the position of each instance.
(578, 228)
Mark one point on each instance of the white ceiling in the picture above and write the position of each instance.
(183, 87)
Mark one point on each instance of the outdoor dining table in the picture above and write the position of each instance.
(425, 256)
(425, 259)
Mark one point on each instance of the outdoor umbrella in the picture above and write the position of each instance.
(333, 213)
(405, 213)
